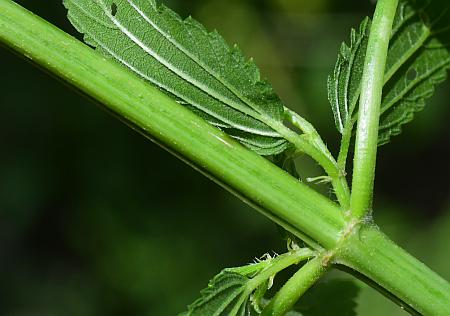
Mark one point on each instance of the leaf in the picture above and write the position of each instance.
(344, 85)
(194, 66)
(223, 296)
(227, 294)
(418, 60)
(240, 291)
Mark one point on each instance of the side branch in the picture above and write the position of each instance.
(369, 108)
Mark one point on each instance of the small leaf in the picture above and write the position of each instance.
(223, 296)
(344, 85)
(227, 293)
(194, 66)
(418, 60)
(240, 291)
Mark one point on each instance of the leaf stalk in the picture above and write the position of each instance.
(316, 148)
(295, 287)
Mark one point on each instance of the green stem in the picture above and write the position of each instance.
(278, 264)
(371, 253)
(273, 267)
(295, 287)
(345, 145)
(276, 194)
(369, 108)
(258, 182)
(322, 156)
(347, 135)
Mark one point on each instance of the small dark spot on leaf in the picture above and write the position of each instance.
(113, 9)
(411, 74)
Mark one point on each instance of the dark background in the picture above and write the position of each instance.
(96, 220)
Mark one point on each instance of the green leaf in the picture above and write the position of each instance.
(344, 85)
(223, 296)
(240, 291)
(418, 60)
(194, 66)
(228, 293)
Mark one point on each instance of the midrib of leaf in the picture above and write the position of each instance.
(179, 71)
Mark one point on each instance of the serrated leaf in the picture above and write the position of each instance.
(227, 293)
(194, 66)
(344, 85)
(240, 291)
(223, 296)
(418, 60)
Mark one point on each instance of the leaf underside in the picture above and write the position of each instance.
(196, 67)
(418, 60)
(226, 294)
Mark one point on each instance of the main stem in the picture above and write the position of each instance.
(282, 198)
(371, 253)
(258, 182)
(369, 108)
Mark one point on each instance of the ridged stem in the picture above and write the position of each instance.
(369, 108)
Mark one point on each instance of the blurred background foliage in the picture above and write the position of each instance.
(96, 220)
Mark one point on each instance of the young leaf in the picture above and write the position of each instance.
(240, 291)
(223, 296)
(344, 85)
(418, 59)
(194, 66)
(228, 293)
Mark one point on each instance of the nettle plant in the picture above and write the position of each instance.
(207, 104)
